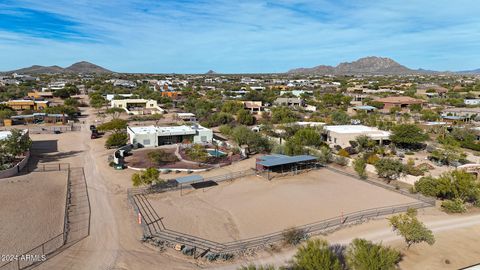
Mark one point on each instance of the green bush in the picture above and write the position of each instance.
(427, 186)
(116, 140)
(365, 255)
(343, 153)
(316, 254)
(360, 165)
(454, 206)
(161, 157)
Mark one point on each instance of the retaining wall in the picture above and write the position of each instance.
(15, 169)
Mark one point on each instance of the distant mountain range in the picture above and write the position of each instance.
(80, 67)
(371, 65)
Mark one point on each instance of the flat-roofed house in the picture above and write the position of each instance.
(27, 104)
(152, 136)
(137, 106)
(40, 95)
(298, 102)
(401, 102)
(255, 107)
(187, 117)
(342, 135)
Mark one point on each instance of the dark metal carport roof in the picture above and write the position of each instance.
(277, 160)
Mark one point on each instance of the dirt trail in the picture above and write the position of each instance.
(113, 242)
(378, 231)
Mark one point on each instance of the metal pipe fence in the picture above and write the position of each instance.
(272, 238)
(41, 252)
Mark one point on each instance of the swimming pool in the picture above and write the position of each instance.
(215, 153)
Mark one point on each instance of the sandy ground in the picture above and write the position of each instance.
(456, 241)
(32, 210)
(253, 206)
(114, 239)
(114, 236)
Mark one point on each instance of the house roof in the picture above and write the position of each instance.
(400, 100)
(277, 160)
(365, 107)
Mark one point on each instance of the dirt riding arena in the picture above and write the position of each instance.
(254, 206)
(32, 210)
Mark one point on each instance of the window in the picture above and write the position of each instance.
(146, 142)
(203, 138)
(334, 140)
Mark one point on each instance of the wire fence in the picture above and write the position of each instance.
(46, 129)
(48, 167)
(152, 225)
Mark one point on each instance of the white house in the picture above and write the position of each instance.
(110, 97)
(151, 136)
(137, 106)
(342, 135)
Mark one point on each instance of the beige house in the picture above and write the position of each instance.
(342, 135)
(137, 106)
(255, 107)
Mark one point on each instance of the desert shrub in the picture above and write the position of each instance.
(316, 254)
(351, 150)
(343, 161)
(116, 140)
(161, 157)
(454, 206)
(343, 153)
(197, 153)
(293, 236)
(427, 186)
(257, 267)
(365, 255)
(412, 169)
(324, 155)
(372, 159)
(360, 165)
(390, 169)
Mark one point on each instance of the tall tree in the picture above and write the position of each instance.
(408, 136)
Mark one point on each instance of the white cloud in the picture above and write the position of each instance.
(253, 36)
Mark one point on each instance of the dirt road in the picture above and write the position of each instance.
(378, 231)
(113, 241)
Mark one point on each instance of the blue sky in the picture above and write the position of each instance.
(238, 36)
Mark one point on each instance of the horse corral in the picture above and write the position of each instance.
(252, 206)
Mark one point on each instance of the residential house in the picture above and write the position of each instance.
(152, 136)
(342, 135)
(137, 106)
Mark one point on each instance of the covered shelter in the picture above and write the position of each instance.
(285, 164)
